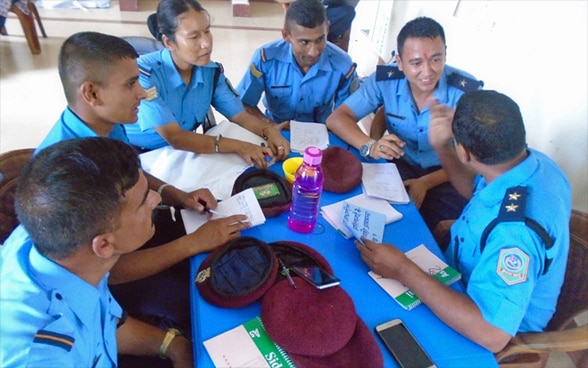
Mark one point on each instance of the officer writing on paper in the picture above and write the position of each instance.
(303, 76)
(514, 274)
(83, 203)
(182, 83)
(403, 87)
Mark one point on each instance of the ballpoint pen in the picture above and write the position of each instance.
(216, 213)
(286, 272)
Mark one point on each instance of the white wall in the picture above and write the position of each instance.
(533, 51)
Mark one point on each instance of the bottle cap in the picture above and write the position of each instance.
(313, 156)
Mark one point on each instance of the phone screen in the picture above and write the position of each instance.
(316, 276)
(405, 348)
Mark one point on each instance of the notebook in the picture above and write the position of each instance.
(429, 263)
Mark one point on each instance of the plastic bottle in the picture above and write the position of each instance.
(306, 192)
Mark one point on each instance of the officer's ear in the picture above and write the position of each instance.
(463, 153)
(286, 34)
(89, 93)
(103, 245)
(168, 43)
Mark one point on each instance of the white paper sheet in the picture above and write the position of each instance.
(304, 134)
(383, 181)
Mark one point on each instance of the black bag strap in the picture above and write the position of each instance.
(207, 123)
(512, 209)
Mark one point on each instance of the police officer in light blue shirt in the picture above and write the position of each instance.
(182, 82)
(510, 243)
(404, 89)
(303, 77)
(82, 204)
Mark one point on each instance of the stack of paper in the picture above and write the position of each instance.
(242, 203)
(303, 135)
(384, 181)
(333, 213)
(429, 263)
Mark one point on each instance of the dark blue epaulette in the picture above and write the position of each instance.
(464, 83)
(386, 72)
(55, 339)
(512, 209)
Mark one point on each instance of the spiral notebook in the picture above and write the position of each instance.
(246, 345)
(429, 263)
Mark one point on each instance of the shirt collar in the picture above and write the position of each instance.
(79, 295)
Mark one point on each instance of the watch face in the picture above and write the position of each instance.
(365, 149)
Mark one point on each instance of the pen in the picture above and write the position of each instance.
(286, 271)
(267, 157)
(213, 212)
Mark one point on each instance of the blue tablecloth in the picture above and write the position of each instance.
(446, 347)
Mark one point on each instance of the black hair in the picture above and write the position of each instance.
(71, 191)
(421, 27)
(89, 56)
(490, 125)
(164, 22)
(306, 13)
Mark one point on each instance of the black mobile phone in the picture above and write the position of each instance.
(403, 345)
(317, 276)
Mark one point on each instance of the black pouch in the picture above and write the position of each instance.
(271, 190)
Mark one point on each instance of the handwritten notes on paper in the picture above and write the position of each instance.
(364, 223)
(304, 134)
(384, 181)
(242, 203)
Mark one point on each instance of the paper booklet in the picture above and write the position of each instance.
(247, 345)
(364, 223)
(242, 203)
(384, 181)
(333, 213)
(303, 134)
(429, 263)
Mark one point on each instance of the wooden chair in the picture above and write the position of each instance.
(10, 165)
(27, 22)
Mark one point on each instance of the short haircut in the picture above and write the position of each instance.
(90, 56)
(305, 13)
(490, 125)
(421, 27)
(165, 22)
(72, 191)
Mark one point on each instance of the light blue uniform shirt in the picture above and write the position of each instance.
(515, 298)
(70, 126)
(174, 101)
(291, 95)
(388, 87)
(51, 317)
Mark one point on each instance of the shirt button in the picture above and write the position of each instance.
(58, 296)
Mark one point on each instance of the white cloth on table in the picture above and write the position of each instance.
(190, 171)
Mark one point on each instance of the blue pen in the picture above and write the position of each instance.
(267, 157)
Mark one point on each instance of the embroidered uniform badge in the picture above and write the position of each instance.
(513, 266)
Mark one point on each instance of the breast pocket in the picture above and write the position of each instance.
(279, 101)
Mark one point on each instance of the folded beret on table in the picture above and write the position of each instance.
(342, 170)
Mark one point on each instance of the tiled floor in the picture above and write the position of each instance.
(31, 98)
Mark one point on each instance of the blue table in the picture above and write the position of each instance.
(446, 347)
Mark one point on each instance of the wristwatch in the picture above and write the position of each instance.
(169, 336)
(366, 148)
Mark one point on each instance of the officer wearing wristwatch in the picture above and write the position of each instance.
(367, 148)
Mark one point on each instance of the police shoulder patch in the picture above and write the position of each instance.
(464, 83)
(388, 72)
(513, 266)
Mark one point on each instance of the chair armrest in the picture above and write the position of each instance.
(573, 339)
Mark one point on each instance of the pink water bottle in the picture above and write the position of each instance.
(306, 192)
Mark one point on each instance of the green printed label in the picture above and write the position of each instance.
(273, 354)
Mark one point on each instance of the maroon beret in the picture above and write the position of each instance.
(308, 321)
(362, 350)
(238, 273)
(271, 190)
(342, 170)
